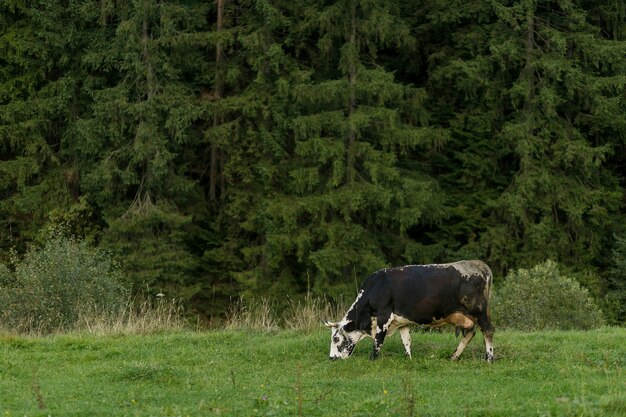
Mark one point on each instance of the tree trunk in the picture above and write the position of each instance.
(352, 77)
(214, 171)
(528, 72)
(150, 79)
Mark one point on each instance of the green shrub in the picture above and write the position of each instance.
(56, 284)
(5, 276)
(541, 298)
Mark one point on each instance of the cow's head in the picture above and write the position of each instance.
(343, 338)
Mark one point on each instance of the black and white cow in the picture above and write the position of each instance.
(432, 295)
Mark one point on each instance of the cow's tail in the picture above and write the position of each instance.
(489, 282)
(488, 288)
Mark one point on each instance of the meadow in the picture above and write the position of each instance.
(287, 373)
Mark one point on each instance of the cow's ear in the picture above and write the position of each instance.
(329, 323)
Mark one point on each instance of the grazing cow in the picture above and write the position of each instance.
(432, 295)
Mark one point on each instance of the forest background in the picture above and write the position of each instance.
(275, 147)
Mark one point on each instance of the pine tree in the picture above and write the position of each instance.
(137, 140)
(560, 200)
(526, 166)
(340, 203)
(40, 97)
(227, 147)
(463, 97)
(252, 119)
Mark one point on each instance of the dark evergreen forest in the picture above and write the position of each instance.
(272, 147)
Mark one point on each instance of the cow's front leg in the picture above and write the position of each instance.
(405, 335)
(382, 326)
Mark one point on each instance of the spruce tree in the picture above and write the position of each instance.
(229, 146)
(561, 202)
(250, 140)
(522, 85)
(137, 139)
(341, 201)
(40, 98)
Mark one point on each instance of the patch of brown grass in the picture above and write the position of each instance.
(305, 314)
(143, 315)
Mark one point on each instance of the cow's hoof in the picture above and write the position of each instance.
(454, 358)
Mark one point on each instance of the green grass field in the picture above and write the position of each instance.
(287, 373)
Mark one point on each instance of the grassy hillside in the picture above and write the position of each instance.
(237, 373)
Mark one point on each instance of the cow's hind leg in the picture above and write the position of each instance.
(487, 329)
(468, 335)
(405, 335)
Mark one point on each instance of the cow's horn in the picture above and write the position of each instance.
(329, 323)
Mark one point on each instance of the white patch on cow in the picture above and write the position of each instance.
(342, 343)
(469, 268)
(385, 326)
(465, 268)
(405, 335)
(335, 341)
(395, 322)
(402, 268)
(358, 297)
(489, 349)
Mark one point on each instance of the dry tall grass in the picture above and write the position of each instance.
(141, 316)
(252, 315)
(263, 314)
(149, 314)
(309, 313)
